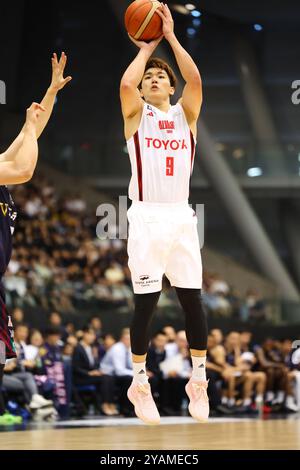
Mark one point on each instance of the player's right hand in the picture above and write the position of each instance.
(33, 112)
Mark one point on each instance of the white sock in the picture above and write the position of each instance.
(259, 398)
(247, 402)
(231, 402)
(199, 372)
(280, 396)
(139, 372)
(270, 396)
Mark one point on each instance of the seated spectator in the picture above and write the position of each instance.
(117, 363)
(96, 324)
(241, 364)
(19, 381)
(86, 371)
(108, 341)
(27, 354)
(55, 321)
(156, 355)
(170, 333)
(274, 369)
(253, 308)
(214, 374)
(215, 295)
(177, 370)
(56, 371)
(293, 387)
(270, 361)
(17, 316)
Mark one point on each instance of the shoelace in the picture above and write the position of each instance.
(145, 390)
(200, 391)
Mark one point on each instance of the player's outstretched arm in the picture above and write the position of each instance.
(192, 94)
(131, 100)
(57, 83)
(21, 168)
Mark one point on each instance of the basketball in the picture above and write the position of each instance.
(141, 20)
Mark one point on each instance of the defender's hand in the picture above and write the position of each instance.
(58, 67)
(33, 112)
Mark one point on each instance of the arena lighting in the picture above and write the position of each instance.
(191, 32)
(190, 6)
(255, 171)
(196, 13)
(180, 9)
(196, 22)
(258, 27)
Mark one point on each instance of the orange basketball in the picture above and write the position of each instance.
(141, 20)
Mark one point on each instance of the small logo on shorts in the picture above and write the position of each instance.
(144, 277)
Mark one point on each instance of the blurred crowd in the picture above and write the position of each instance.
(58, 263)
(88, 371)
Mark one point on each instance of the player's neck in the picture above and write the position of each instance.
(162, 106)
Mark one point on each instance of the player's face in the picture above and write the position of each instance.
(156, 86)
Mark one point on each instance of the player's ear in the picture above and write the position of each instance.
(172, 91)
(141, 93)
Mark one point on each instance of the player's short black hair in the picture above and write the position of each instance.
(155, 62)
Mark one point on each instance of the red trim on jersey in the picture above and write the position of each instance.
(192, 150)
(139, 164)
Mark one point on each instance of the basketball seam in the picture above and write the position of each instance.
(147, 20)
(134, 11)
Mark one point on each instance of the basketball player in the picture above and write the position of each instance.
(17, 166)
(163, 236)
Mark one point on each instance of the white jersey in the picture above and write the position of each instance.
(162, 156)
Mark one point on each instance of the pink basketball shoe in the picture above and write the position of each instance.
(144, 405)
(199, 405)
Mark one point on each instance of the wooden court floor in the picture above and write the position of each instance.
(279, 434)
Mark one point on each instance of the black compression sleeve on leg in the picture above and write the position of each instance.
(140, 326)
(195, 317)
(2, 404)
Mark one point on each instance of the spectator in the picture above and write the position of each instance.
(271, 362)
(117, 363)
(177, 370)
(96, 324)
(56, 371)
(156, 355)
(17, 316)
(86, 371)
(16, 380)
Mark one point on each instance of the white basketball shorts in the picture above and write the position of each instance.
(163, 239)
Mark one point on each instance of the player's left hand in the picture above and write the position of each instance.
(167, 19)
(58, 67)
